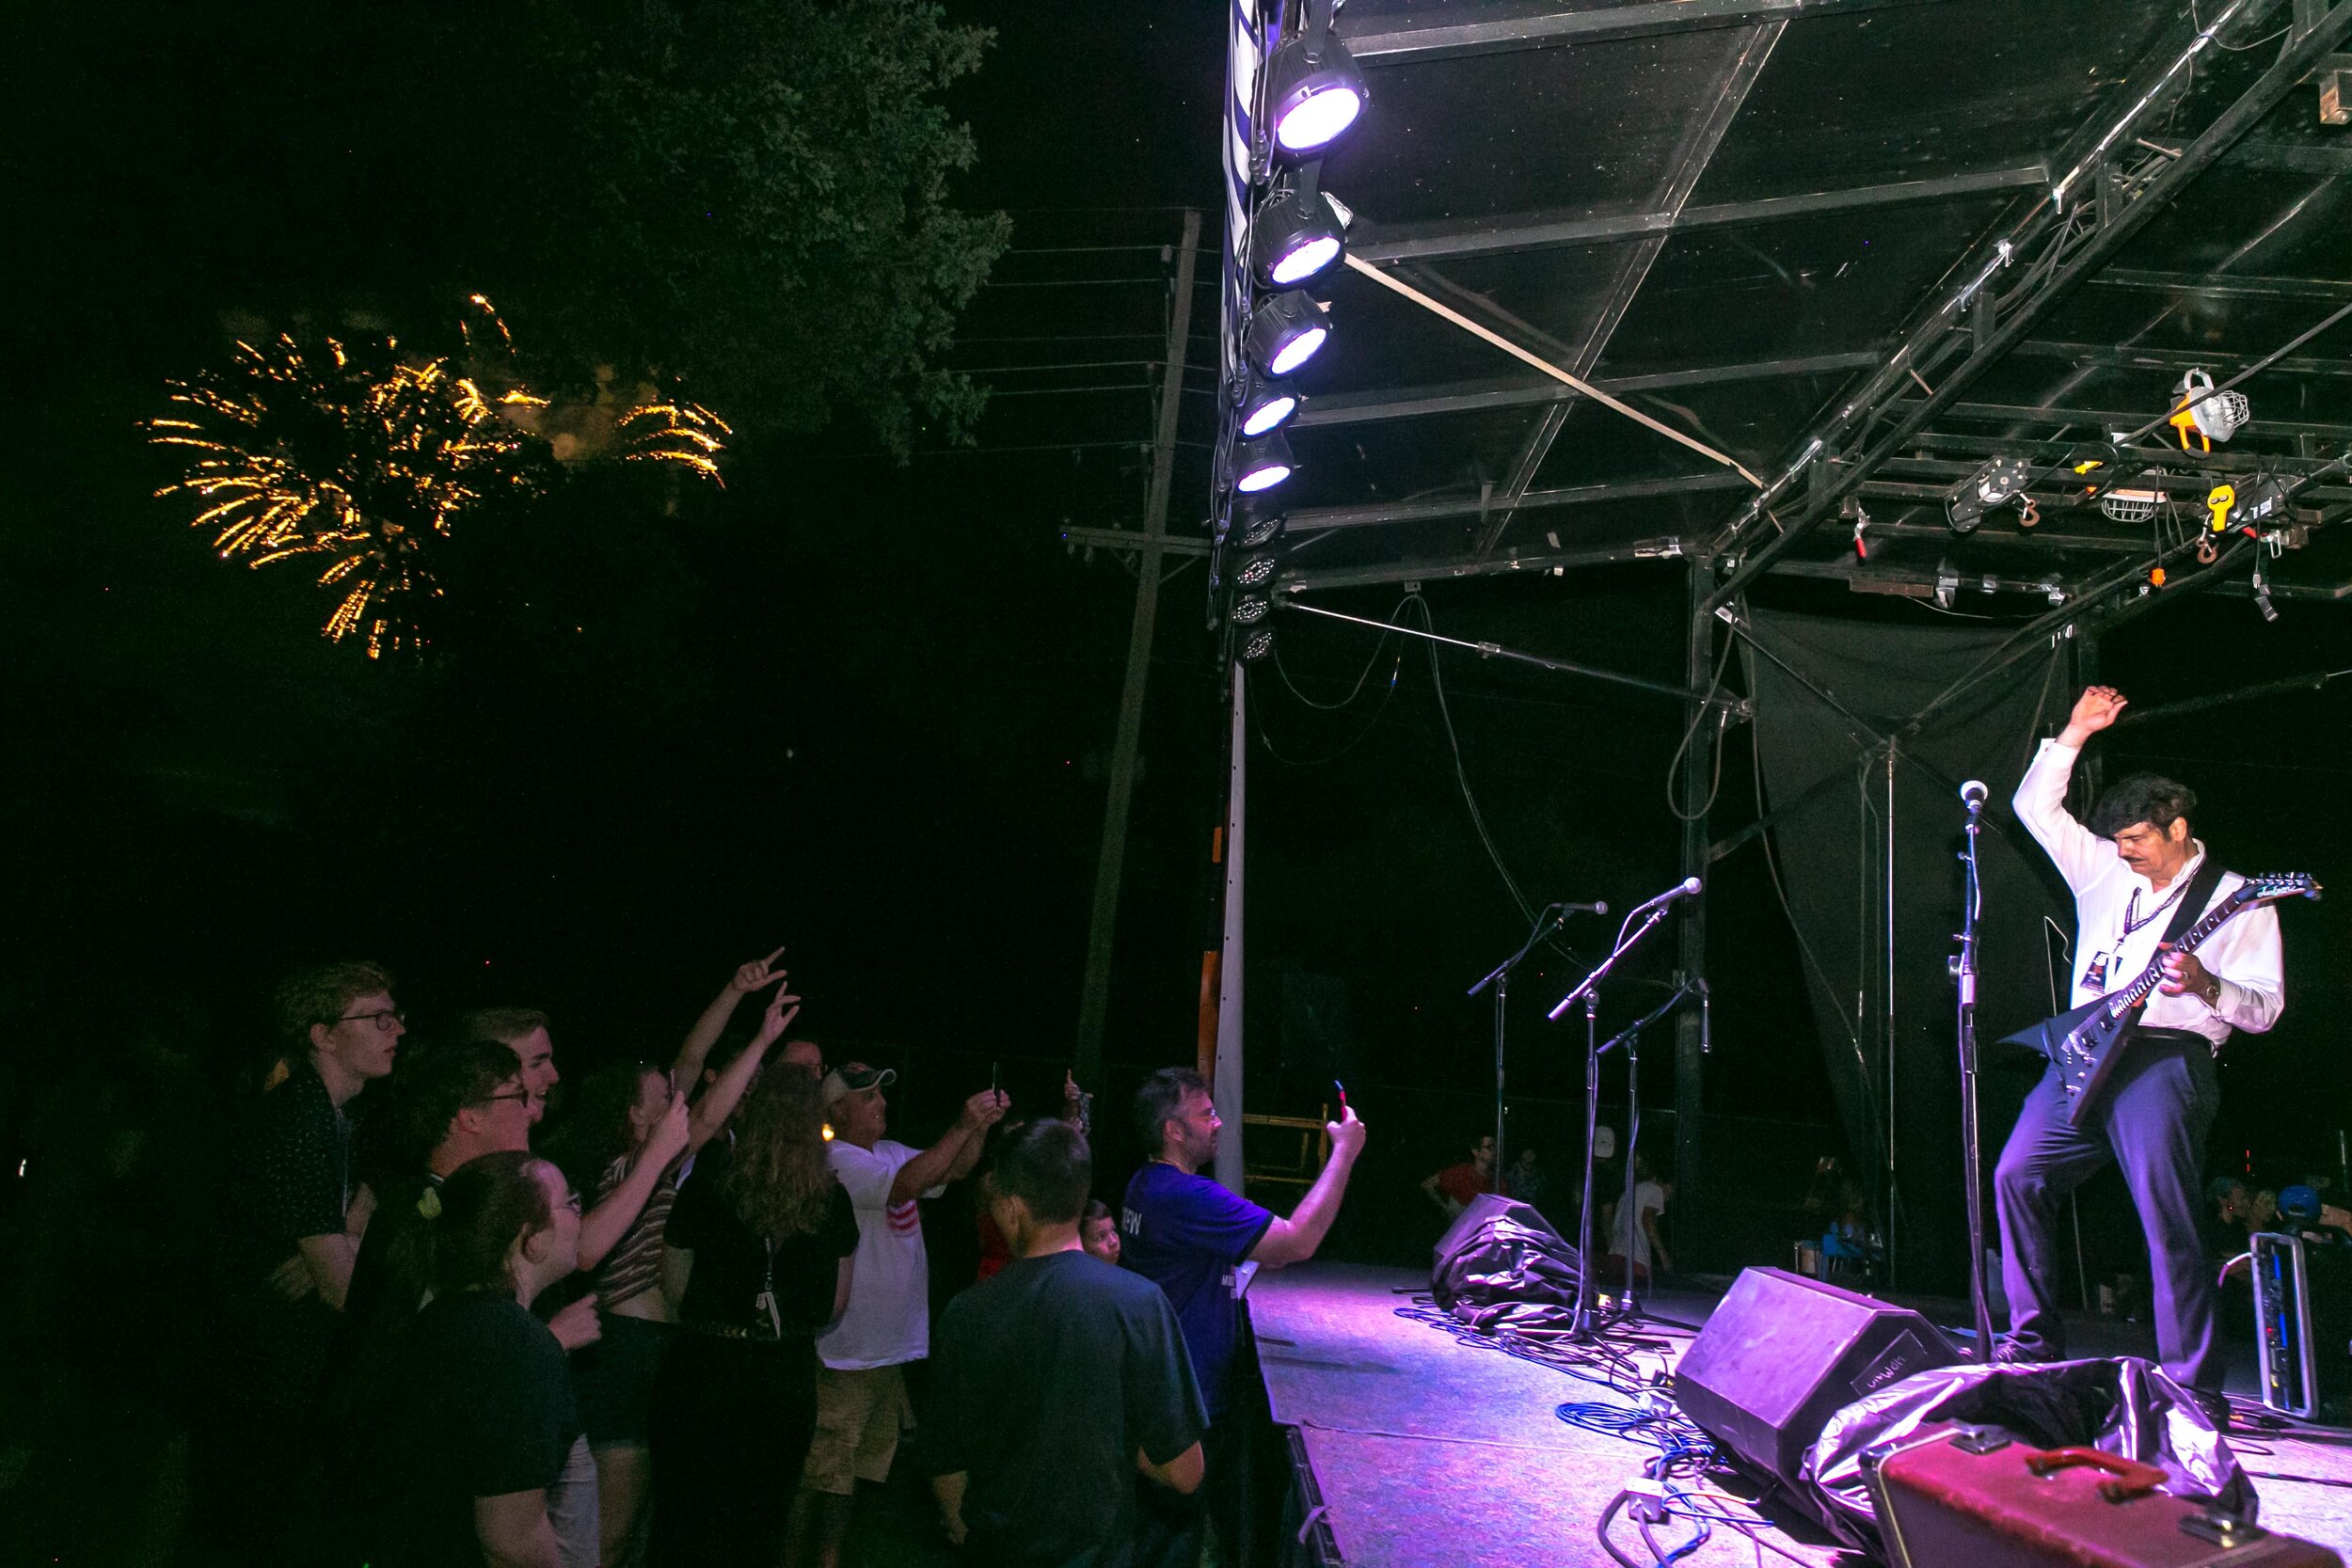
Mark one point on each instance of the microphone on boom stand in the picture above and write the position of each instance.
(1974, 793)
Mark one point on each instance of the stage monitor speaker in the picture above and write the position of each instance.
(1486, 1206)
(1784, 1354)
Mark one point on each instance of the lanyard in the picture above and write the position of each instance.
(2134, 920)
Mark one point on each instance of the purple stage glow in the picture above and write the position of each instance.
(1270, 413)
(1262, 478)
(1318, 118)
(1313, 253)
(1299, 350)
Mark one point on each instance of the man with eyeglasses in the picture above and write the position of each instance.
(456, 1104)
(292, 1237)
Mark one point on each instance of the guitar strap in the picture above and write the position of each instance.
(2193, 901)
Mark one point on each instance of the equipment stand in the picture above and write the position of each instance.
(1551, 917)
(1971, 1147)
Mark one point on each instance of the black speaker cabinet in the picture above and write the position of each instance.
(1784, 1354)
(1481, 1209)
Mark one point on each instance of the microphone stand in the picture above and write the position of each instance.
(1630, 1037)
(1971, 1147)
(1551, 918)
(1588, 992)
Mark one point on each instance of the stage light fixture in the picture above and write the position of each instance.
(1253, 529)
(1256, 642)
(1250, 609)
(1266, 404)
(1261, 464)
(1315, 90)
(2212, 416)
(1286, 331)
(1999, 482)
(1255, 570)
(1296, 234)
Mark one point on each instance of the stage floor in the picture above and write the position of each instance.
(1428, 1451)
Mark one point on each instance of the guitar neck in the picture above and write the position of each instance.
(2152, 977)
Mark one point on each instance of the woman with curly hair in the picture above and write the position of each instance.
(755, 1262)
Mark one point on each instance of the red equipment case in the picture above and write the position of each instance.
(1976, 1498)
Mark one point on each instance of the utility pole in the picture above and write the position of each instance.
(1095, 1002)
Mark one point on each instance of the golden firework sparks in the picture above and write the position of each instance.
(299, 451)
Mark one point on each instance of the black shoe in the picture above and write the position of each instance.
(2010, 1352)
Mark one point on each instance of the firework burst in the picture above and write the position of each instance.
(368, 462)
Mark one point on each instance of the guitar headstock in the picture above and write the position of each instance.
(2272, 886)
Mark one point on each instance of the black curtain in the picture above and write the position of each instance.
(1832, 701)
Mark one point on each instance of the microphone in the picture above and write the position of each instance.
(1706, 1011)
(1974, 793)
(1598, 907)
(1683, 889)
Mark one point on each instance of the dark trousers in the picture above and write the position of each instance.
(732, 1421)
(2152, 1120)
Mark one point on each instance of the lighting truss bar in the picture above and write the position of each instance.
(1316, 519)
(2015, 316)
(2145, 358)
(2231, 287)
(1310, 579)
(2295, 157)
(1134, 539)
(1474, 397)
(1432, 243)
(1596, 24)
(2121, 419)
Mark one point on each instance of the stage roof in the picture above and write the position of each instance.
(1756, 220)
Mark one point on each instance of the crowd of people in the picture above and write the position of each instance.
(672, 1324)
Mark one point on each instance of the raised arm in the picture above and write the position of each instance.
(602, 1227)
(1295, 1240)
(514, 1530)
(936, 1164)
(719, 1102)
(2081, 856)
(695, 1048)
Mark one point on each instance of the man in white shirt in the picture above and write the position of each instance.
(860, 1387)
(2128, 871)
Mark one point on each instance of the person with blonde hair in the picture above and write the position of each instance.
(756, 1261)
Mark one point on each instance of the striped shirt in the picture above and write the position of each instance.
(634, 1264)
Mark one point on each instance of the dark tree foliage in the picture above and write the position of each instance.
(749, 195)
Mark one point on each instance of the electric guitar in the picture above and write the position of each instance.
(2088, 1042)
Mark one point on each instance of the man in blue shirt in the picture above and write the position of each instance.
(1188, 1235)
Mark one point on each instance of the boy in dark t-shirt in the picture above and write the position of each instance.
(1055, 1381)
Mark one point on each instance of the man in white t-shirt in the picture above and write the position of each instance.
(861, 1386)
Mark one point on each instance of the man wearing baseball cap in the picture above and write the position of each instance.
(860, 1387)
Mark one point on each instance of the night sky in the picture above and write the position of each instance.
(861, 708)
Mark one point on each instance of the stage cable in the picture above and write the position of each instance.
(1722, 722)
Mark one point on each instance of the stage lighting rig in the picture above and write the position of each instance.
(1314, 91)
(1286, 331)
(1265, 405)
(1254, 526)
(1297, 232)
(2210, 416)
(1999, 482)
(1255, 571)
(1255, 643)
(1261, 464)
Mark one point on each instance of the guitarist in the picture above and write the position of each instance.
(2130, 870)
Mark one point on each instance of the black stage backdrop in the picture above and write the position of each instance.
(1828, 695)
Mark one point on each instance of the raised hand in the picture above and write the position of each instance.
(783, 1008)
(986, 1109)
(1347, 1133)
(758, 972)
(671, 1135)
(2094, 710)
